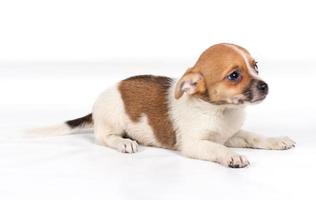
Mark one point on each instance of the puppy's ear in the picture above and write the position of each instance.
(190, 83)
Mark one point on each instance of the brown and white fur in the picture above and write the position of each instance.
(200, 115)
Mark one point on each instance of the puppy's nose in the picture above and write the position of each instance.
(262, 87)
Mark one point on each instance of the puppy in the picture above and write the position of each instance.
(199, 115)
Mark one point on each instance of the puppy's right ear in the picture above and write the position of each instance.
(190, 83)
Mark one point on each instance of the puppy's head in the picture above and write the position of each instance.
(224, 74)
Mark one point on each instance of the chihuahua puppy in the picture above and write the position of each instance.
(199, 115)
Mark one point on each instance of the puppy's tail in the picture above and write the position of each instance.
(65, 128)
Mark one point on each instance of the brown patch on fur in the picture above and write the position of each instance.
(148, 95)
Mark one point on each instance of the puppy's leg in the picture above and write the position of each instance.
(113, 137)
(207, 150)
(244, 139)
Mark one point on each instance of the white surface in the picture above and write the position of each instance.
(98, 30)
(74, 167)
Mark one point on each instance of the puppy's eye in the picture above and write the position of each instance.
(234, 76)
(255, 66)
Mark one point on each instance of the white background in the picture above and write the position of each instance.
(100, 30)
(57, 56)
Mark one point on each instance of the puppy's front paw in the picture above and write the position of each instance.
(128, 146)
(281, 143)
(235, 161)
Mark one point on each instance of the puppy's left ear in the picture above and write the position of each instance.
(191, 83)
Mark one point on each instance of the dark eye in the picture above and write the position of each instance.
(255, 66)
(234, 76)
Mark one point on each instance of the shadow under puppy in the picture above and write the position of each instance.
(200, 114)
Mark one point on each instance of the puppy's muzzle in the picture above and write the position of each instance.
(259, 90)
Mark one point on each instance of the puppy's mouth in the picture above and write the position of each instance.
(258, 100)
(244, 100)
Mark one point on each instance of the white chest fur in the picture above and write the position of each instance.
(196, 119)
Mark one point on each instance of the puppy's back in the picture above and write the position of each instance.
(148, 95)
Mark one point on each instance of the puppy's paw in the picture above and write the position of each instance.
(128, 146)
(235, 161)
(281, 143)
